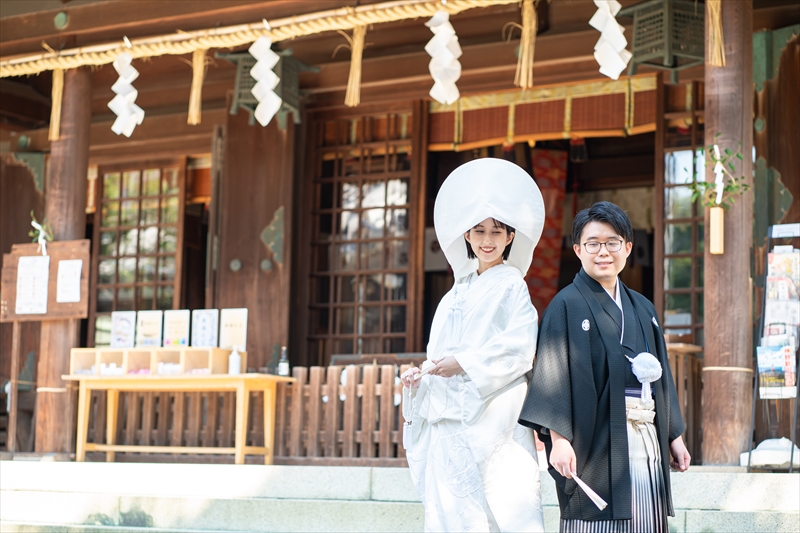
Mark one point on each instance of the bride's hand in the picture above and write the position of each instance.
(446, 367)
(409, 378)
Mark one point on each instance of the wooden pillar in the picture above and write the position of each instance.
(728, 317)
(65, 209)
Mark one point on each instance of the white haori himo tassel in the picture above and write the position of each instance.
(647, 369)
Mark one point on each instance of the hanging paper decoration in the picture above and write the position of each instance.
(129, 115)
(719, 170)
(444, 51)
(269, 102)
(609, 52)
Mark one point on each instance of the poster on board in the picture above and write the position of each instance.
(33, 276)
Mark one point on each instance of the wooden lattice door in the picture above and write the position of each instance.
(137, 242)
(362, 257)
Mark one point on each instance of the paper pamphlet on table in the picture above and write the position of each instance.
(123, 329)
(68, 284)
(33, 275)
(176, 328)
(205, 328)
(233, 329)
(148, 329)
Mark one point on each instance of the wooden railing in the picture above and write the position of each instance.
(336, 415)
(687, 372)
(341, 416)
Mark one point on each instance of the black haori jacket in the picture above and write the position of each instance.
(577, 389)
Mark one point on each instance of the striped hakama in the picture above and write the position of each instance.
(647, 479)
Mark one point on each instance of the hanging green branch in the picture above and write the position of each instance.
(723, 191)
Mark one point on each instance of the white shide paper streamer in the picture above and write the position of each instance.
(129, 115)
(609, 52)
(719, 181)
(269, 102)
(444, 51)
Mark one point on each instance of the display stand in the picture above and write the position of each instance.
(785, 328)
(76, 308)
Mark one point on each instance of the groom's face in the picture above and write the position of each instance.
(604, 265)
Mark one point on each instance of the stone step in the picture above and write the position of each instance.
(174, 498)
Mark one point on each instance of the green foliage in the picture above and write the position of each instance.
(733, 185)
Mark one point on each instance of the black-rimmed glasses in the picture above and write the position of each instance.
(614, 245)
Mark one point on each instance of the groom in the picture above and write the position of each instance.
(584, 400)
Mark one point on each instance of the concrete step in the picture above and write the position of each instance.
(174, 498)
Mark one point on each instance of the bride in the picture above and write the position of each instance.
(474, 467)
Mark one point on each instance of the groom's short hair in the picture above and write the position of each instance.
(606, 212)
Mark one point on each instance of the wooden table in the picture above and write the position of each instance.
(242, 384)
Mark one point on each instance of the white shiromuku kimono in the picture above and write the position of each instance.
(474, 466)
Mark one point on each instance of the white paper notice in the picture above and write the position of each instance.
(205, 325)
(68, 286)
(233, 329)
(33, 274)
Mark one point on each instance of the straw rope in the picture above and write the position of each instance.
(180, 43)
(57, 95)
(527, 42)
(716, 52)
(353, 95)
(196, 93)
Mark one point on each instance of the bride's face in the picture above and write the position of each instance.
(488, 241)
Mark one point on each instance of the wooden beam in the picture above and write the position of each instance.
(154, 130)
(728, 317)
(65, 207)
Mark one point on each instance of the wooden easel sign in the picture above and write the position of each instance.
(35, 287)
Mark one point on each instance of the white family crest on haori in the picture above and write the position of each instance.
(444, 51)
(609, 51)
(585, 324)
(486, 188)
(269, 102)
(129, 115)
